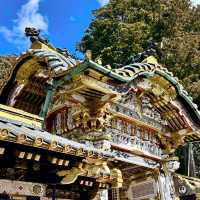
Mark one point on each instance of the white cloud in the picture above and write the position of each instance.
(103, 2)
(195, 2)
(28, 16)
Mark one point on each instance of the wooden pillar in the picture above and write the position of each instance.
(167, 189)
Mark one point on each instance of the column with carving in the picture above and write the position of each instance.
(166, 183)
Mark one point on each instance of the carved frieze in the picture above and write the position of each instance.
(132, 113)
(134, 137)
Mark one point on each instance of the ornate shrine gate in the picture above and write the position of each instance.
(90, 132)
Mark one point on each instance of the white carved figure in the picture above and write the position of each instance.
(173, 165)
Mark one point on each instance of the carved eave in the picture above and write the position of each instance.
(33, 74)
(22, 133)
(84, 89)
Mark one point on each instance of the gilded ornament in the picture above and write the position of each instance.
(4, 133)
(38, 141)
(21, 138)
(53, 145)
(67, 148)
(80, 152)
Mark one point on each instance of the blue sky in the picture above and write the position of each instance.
(62, 21)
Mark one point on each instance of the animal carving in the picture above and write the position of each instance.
(70, 176)
(92, 168)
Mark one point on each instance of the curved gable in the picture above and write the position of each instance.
(27, 84)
